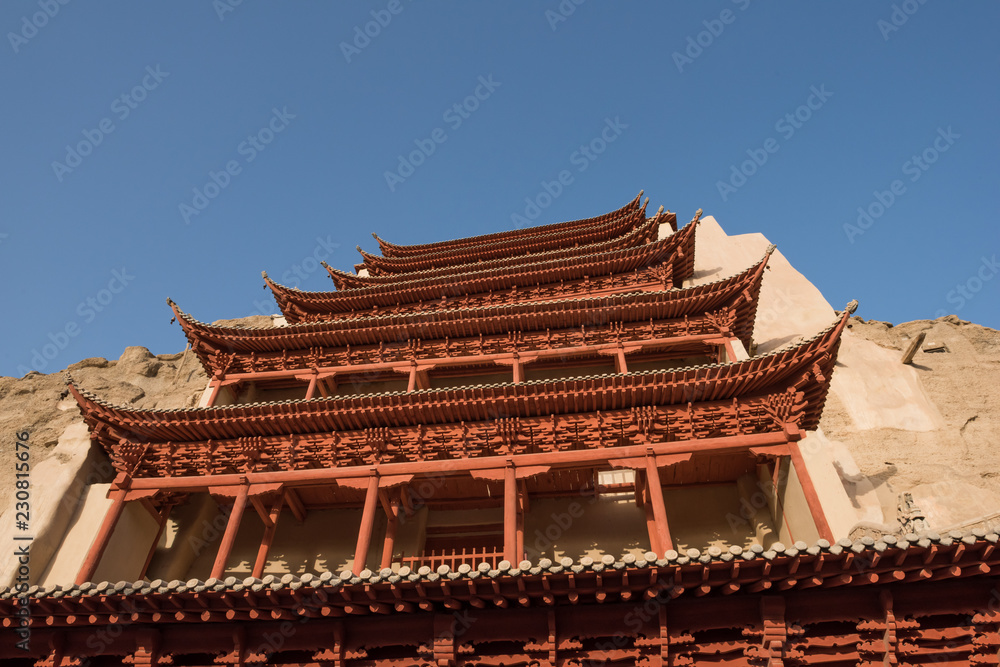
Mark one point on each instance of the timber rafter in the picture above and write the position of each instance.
(579, 226)
(725, 307)
(655, 266)
(387, 271)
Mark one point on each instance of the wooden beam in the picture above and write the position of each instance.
(659, 509)
(510, 515)
(809, 491)
(164, 515)
(100, 543)
(311, 390)
(392, 525)
(367, 525)
(232, 528)
(268, 539)
(294, 504)
(654, 536)
(912, 348)
(323, 476)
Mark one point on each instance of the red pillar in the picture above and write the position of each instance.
(268, 539)
(367, 525)
(659, 509)
(102, 538)
(390, 535)
(229, 537)
(164, 515)
(510, 516)
(654, 537)
(812, 497)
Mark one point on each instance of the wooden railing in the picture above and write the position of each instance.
(453, 558)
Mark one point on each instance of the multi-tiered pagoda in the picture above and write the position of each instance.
(547, 446)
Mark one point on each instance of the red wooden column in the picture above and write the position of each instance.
(164, 515)
(659, 509)
(809, 491)
(522, 509)
(647, 506)
(391, 508)
(268, 539)
(311, 389)
(103, 536)
(214, 394)
(367, 525)
(229, 537)
(510, 515)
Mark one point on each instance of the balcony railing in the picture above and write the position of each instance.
(453, 558)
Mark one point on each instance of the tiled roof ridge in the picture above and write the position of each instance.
(306, 325)
(566, 224)
(538, 258)
(529, 239)
(670, 559)
(781, 350)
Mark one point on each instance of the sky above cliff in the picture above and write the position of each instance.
(177, 149)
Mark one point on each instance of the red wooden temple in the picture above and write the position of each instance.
(533, 447)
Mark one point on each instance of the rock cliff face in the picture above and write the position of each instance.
(951, 467)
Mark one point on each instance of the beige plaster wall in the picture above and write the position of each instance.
(126, 551)
(58, 484)
(584, 526)
(714, 515)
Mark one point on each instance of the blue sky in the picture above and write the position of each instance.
(177, 149)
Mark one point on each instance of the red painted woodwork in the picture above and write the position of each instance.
(100, 543)
(232, 527)
(602, 297)
(509, 254)
(513, 236)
